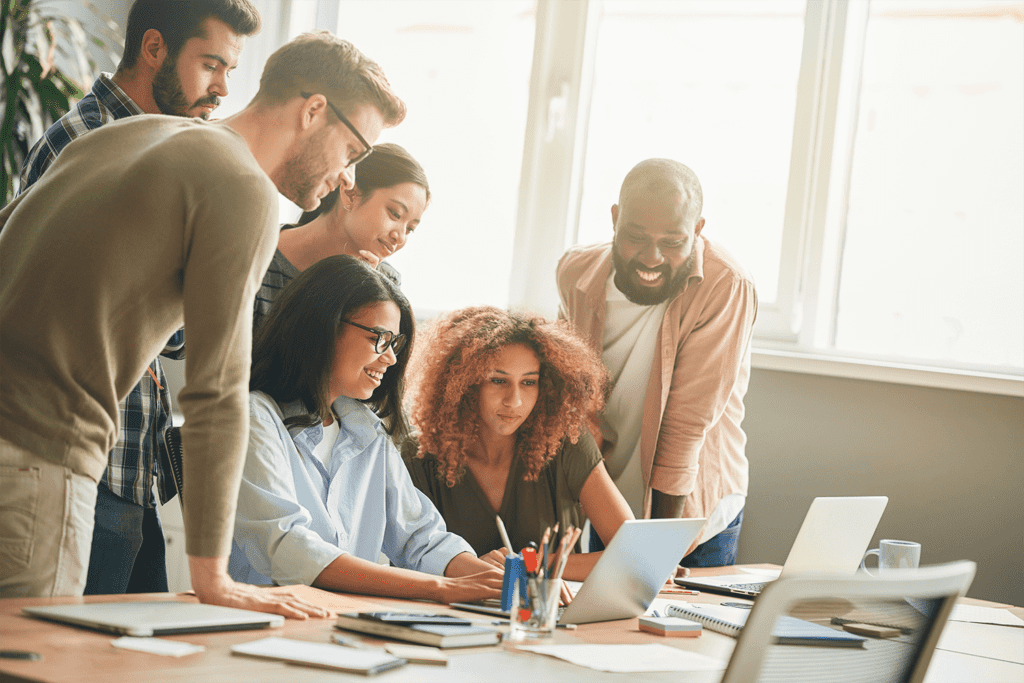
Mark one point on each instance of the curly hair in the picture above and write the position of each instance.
(454, 355)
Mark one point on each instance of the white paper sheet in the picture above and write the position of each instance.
(630, 658)
(157, 646)
(985, 615)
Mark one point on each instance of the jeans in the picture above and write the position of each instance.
(128, 551)
(717, 551)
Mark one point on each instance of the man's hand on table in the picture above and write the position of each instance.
(213, 586)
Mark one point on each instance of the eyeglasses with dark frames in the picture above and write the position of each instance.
(368, 147)
(385, 338)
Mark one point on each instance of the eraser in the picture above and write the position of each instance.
(872, 630)
(672, 627)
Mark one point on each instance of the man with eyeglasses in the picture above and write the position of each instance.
(138, 227)
(177, 60)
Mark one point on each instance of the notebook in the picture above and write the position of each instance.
(832, 539)
(321, 655)
(629, 575)
(788, 630)
(436, 630)
(161, 618)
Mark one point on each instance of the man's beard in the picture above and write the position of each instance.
(169, 96)
(303, 172)
(650, 296)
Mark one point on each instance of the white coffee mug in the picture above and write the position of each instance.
(894, 555)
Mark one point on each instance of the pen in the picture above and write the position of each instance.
(686, 592)
(567, 627)
(504, 535)
(350, 642)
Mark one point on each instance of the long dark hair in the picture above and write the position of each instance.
(294, 346)
(389, 165)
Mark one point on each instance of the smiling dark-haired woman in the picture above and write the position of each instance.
(324, 491)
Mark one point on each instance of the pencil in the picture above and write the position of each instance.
(504, 535)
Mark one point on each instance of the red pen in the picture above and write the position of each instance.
(530, 559)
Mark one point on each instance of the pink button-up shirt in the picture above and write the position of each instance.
(691, 441)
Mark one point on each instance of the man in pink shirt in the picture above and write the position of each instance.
(672, 314)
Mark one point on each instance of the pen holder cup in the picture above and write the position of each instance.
(534, 608)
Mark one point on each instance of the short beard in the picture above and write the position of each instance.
(644, 296)
(169, 95)
(302, 173)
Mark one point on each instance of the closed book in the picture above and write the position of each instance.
(436, 635)
(787, 631)
(320, 655)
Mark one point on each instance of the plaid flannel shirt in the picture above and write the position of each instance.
(139, 454)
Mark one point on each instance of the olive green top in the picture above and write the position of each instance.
(527, 507)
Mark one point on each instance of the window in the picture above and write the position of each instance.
(933, 237)
(865, 160)
(712, 85)
(463, 69)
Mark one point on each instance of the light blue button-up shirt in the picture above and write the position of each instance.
(295, 516)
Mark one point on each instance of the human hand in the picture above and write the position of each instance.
(496, 558)
(213, 586)
(480, 586)
(369, 257)
(565, 595)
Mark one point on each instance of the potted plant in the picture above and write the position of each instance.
(36, 90)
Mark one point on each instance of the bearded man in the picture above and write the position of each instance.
(672, 314)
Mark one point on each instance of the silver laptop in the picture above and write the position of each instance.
(161, 618)
(629, 575)
(832, 539)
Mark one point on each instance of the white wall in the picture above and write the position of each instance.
(951, 463)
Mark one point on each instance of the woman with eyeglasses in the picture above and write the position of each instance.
(371, 221)
(324, 491)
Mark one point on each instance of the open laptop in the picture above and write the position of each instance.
(832, 539)
(161, 618)
(631, 571)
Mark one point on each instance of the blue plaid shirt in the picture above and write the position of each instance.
(139, 454)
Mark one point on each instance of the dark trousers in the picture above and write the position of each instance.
(128, 552)
(717, 551)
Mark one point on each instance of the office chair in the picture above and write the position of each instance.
(913, 605)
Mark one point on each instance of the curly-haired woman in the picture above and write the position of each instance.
(501, 403)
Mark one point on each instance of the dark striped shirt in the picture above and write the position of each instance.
(280, 273)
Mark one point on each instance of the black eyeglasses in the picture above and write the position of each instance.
(368, 147)
(385, 338)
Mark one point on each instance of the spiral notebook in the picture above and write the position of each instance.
(788, 630)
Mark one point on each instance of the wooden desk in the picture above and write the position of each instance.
(71, 654)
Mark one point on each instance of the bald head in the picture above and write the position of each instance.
(666, 178)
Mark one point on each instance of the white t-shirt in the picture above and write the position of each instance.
(322, 451)
(630, 336)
